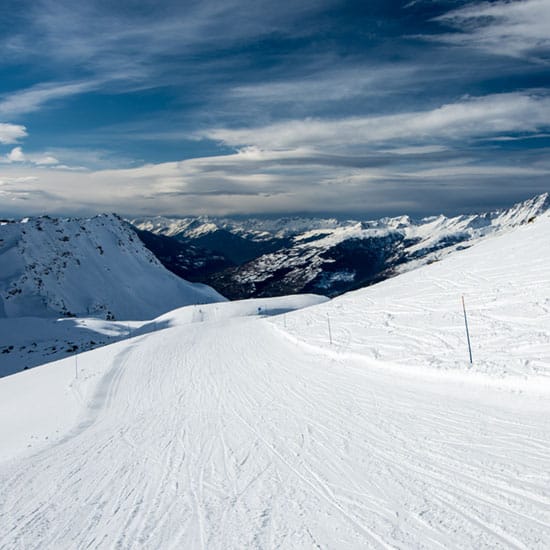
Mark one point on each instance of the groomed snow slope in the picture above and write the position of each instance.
(26, 342)
(241, 433)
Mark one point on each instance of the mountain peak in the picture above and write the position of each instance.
(86, 266)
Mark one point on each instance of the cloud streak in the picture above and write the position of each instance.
(517, 28)
(126, 42)
(33, 98)
(276, 182)
(328, 85)
(471, 117)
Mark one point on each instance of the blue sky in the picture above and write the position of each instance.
(362, 109)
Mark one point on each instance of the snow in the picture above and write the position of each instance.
(240, 429)
(416, 319)
(30, 341)
(86, 267)
(45, 405)
(325, 233)
(26, 342)
(202, 230)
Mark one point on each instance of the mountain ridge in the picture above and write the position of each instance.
(328, 256)
(85, 267)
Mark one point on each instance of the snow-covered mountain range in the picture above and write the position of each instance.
(326, 256)
(86, 267)
(354, 423)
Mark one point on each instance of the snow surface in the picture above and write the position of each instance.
(59, 385)
(26, 342)
(416, 319)
(86, 267)
(256, 432)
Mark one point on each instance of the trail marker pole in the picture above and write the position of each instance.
(467, 330)
(76, 365)
(329, 329)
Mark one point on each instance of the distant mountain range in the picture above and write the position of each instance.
(98, 267)
(260, 258)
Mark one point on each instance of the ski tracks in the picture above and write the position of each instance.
(229, 436)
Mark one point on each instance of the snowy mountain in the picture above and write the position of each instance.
(324, 256)
(86, 267)
(354, 423)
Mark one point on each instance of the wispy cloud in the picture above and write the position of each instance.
(517, 28)
(470, 117)
(130, 43)
(328, 85)
(33, 98)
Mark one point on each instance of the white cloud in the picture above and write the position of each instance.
(118, 43)
(331, 85)
(350, 164)
(11, 133)
(471, 117)
(45, 160)
(416, 150)
(261, 181)
(518, 28)
(15, 155)
(32, 99)
(16, 180)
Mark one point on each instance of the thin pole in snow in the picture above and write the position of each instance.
(76, 365)
(329, 329)
(467, 330)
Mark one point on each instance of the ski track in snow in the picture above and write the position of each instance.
(224, 441)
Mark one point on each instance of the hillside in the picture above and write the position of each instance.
(86, 267)
(223, 431)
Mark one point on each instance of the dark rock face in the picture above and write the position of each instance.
(186, 260)
(328, 269)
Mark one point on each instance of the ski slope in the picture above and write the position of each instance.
(416, 319)
(26, 342)
(219, 430)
